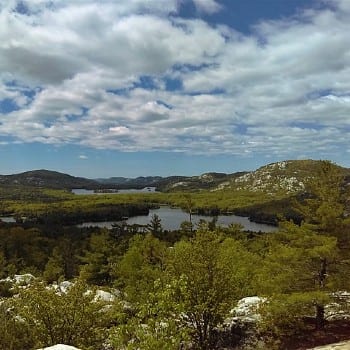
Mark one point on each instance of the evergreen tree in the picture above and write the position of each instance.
(323, 208)
(294, 280)
(324, 213)
(98, 258)
(54, 268)
(155, 226)
(186, 229)
(189, 204)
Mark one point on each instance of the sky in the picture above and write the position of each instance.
(101, 88)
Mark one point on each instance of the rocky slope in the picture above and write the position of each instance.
(287, 177)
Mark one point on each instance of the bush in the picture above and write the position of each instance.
(287, 315)
(14, 332)
(71, 317)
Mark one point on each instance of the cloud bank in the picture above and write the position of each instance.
(132, 75)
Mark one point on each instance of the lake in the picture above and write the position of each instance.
(82, 191)
(173, 217)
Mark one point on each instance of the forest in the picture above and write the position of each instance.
(175, 289)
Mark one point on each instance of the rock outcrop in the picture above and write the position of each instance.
(345, 345)
(60, 347)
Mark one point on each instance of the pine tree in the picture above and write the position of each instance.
(155, 226)
(54, 268)
(97, 259)
(324, 213)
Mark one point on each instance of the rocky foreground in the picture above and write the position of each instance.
(242, 319)
(336, 346)
(60, 347)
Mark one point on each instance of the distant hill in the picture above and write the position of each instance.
(206, 181)
(125, 182)
(173, 183)
(48, 179)
(287, 177)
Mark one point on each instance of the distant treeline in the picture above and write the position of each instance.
(106, 213)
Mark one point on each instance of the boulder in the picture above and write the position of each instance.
(24, 279)
(60, 347)
(239, 330)
(102, 295)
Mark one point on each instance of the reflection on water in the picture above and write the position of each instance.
(173, 217)
(82, 191)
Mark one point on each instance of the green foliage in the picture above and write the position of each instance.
(178, 295)
(156, 323)
(54, 269)
(186, 229)
(53, 318)
(15, 334)
(181, 291)
(140, 266)
(22, 249)
(296, 274)
(287, 315)
(6, 289)
(155, 226)
(324, 210)
(213, 274)
(60, 206)
(98, 258)
(294, 259)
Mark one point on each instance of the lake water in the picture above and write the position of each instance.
(82, 191)
(171, 219)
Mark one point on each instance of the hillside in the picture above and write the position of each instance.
(287, 177)
(283, 178)
(125, 182)
(171, 183)
(47, 179)
(206, 181)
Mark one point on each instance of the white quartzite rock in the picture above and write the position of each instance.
(60, 347)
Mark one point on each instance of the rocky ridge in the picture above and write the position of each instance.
(288, 176)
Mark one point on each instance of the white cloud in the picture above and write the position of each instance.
(283, 90)
(208, 6)
(82, 156)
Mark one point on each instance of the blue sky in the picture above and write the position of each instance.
(164, 87)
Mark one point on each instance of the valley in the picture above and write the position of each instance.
(262, 255)
(264, 195)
